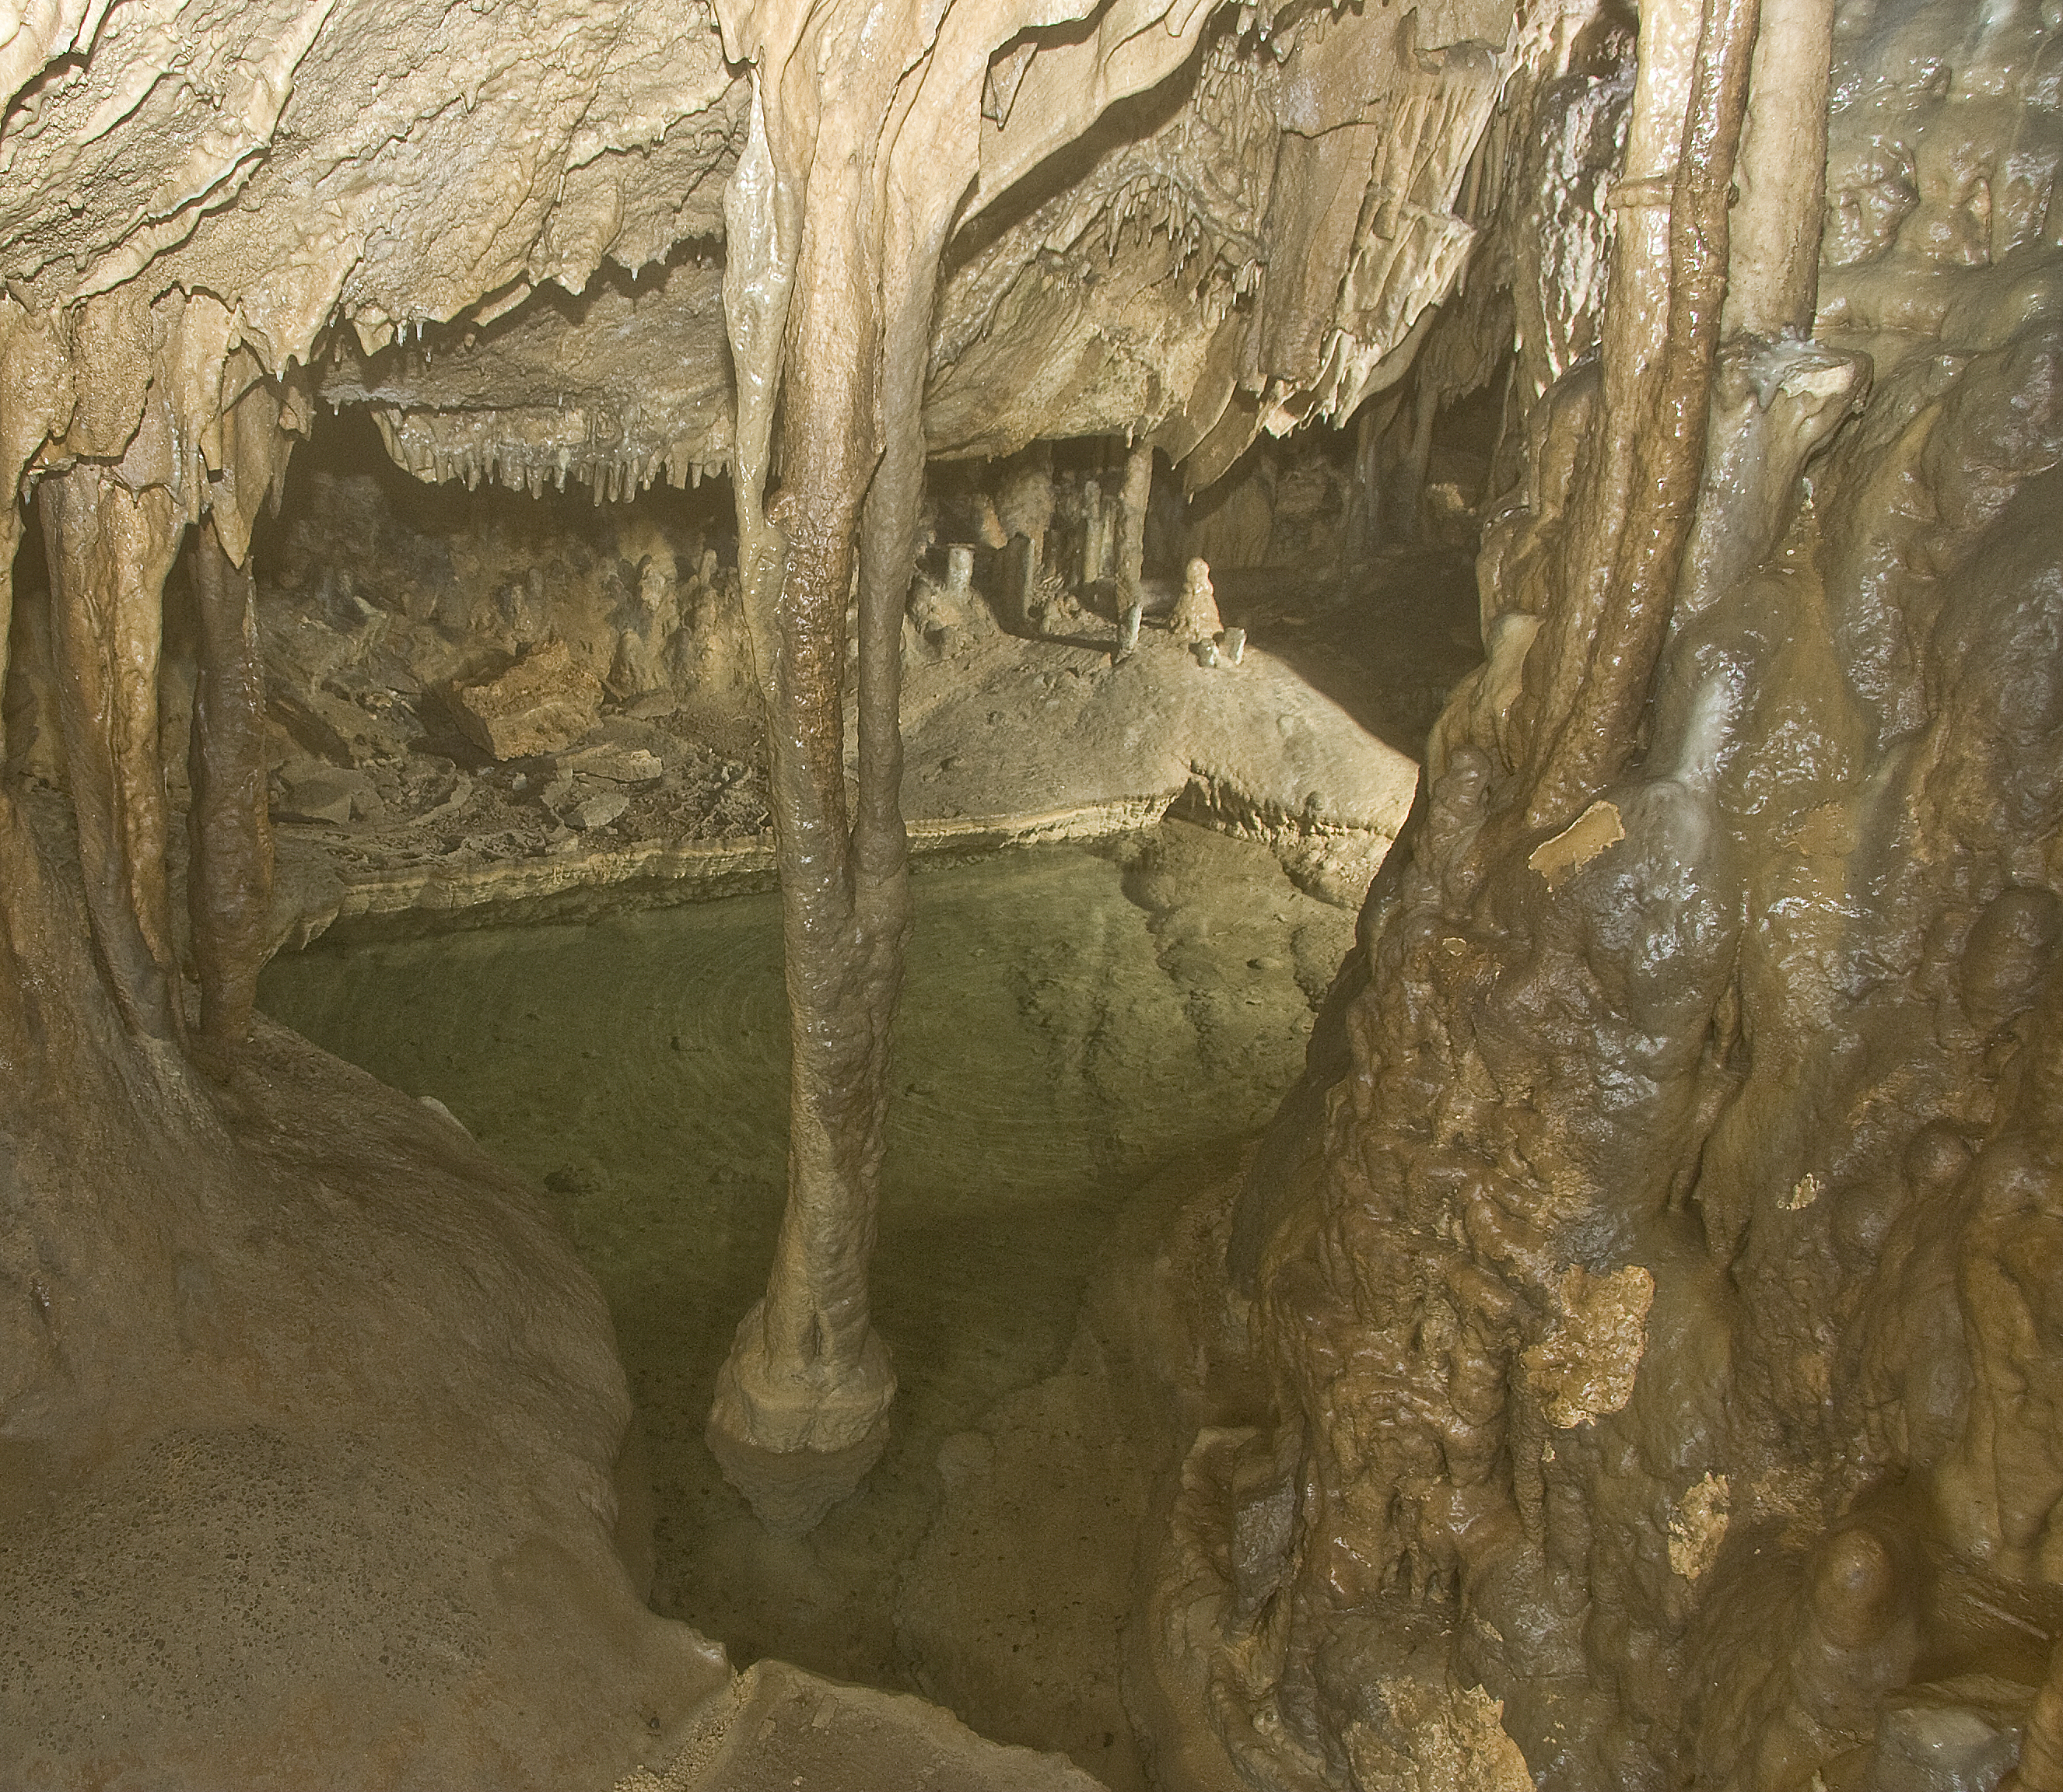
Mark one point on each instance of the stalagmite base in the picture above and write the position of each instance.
(792, 1484)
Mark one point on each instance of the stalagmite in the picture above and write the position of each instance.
(229, 876)
(110, 550)
(1196, 617)
(1132, 522)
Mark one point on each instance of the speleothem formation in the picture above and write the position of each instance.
(1632, 1358)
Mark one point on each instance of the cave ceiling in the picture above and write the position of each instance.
(502, 227)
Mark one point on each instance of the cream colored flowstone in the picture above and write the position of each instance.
(865, 146)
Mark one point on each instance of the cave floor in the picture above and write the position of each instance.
(1008, 739)
(1386, 641)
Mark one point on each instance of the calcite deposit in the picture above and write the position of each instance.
(1632, 1358)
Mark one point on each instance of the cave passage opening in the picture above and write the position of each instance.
(1081, 1019)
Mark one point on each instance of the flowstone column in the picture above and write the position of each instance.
(109, 548)
(229, 876)
(801, 1412)
(864, 140)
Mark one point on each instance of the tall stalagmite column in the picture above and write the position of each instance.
(109, 548)
(865, 142)
(229, 877)
(834, 244)
(801, 1408)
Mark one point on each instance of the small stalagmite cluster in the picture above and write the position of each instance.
(1653, 1293)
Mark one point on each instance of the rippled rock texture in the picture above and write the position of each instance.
(1663, 1316)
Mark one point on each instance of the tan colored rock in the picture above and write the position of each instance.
(1436, 1736)
(1598, 827)
(781, 1726)
(1698, 1526)
(1196, 617)
(542, 704)
(1584, 1367)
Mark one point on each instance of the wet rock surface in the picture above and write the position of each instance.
(1592, 1289)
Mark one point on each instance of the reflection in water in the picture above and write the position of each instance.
(1046, 1065)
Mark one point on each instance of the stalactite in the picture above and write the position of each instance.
(109, 549)
(1579, 750)
(1132, 522)
(229, 876)
(1774, 270)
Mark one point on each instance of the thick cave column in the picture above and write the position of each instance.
(802, 1405)
(862, 145)
(210, 444)
(109, 548)
(196, 433)
(1536, 1055)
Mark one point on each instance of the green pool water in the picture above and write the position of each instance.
(1061, 1041)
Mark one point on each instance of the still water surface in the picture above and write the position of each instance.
(1052, 1053)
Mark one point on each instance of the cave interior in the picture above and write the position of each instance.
(1458, 604)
